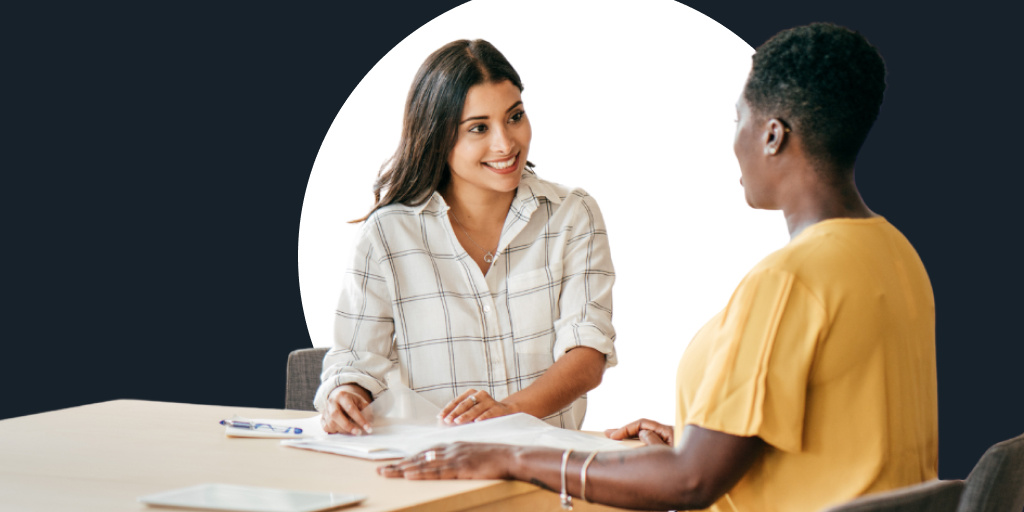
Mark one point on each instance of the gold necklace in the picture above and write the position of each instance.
(488, 256)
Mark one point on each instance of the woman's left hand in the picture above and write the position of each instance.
(454, 461)
(473, 405)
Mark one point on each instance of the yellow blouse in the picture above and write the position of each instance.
(826, 351)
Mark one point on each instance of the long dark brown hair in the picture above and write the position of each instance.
(430, 127)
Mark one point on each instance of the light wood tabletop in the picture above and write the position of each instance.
(101, 457)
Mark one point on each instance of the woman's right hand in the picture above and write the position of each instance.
(344, 412)
(649, 431)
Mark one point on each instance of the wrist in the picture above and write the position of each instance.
(512, 405)
(516, 457)
(353, 388)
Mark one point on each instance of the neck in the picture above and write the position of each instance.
(475, 209)
(815, 198)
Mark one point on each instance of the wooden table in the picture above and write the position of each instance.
(101, 457)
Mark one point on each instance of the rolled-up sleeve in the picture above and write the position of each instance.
(585, 302)
(363, 327)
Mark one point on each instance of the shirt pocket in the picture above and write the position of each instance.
(533, 309)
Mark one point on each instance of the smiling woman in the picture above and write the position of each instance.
(463, 242)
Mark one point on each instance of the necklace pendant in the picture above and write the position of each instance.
(489, 257)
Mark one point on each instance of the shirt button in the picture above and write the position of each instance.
(487, 309)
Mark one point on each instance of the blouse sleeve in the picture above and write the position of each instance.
(363, 327)
(585, 301)
(760, 360)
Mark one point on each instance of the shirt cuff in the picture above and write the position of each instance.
(585, 335)
(374, 386)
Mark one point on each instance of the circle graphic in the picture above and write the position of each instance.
(633, 101)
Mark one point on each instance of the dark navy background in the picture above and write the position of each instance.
(155, 159)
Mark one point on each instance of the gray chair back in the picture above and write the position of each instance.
(996, 484)
(930, 496)
(304, 366)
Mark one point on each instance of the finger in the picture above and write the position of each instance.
(421, 464)
(390, 471)
(617, 434)
(646, 424)
(454, 403)
(458, 414)
(431, 472)
(665, 431)
(480, 402)
(333, 419)
(628, 431)
(440, 451)
(339, 423)
(353, 409)
(493, 412)
(471, 414)
(652, 438)
(339, 420)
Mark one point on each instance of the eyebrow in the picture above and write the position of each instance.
(514, 105)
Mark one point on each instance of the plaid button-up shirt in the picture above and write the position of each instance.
(413, 298)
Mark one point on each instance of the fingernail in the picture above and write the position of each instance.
(458, 420)
(367, 429)
(358, 432)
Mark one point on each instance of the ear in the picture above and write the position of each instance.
(775, 135)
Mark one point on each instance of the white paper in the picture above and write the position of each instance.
(403, 440)
(405, 423)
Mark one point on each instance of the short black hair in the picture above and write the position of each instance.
(826, 82)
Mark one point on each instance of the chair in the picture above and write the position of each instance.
(304, 366)
(930, 496)
(996, 484)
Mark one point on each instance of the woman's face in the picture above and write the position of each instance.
(493, 141)
(748, 144)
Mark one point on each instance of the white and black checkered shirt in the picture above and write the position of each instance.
(414, 298)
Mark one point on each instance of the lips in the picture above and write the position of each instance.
(505, 166)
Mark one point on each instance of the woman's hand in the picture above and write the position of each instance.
(648, 431)
(474, 405)
(344, 412)
(455, 461)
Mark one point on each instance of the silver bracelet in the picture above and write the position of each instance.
(583, 475)
(564, 497)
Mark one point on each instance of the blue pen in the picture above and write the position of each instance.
(260, 426)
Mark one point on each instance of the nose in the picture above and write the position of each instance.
(501, 141)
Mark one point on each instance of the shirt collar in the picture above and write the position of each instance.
(530, 190)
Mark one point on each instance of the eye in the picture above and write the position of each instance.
(478, 128)
(517, 117)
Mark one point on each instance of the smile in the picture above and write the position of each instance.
(504, 165)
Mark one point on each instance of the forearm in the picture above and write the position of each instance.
(575, 373)
(693, 475)
(645, 478)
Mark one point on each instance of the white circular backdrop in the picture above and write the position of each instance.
(632, 100)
